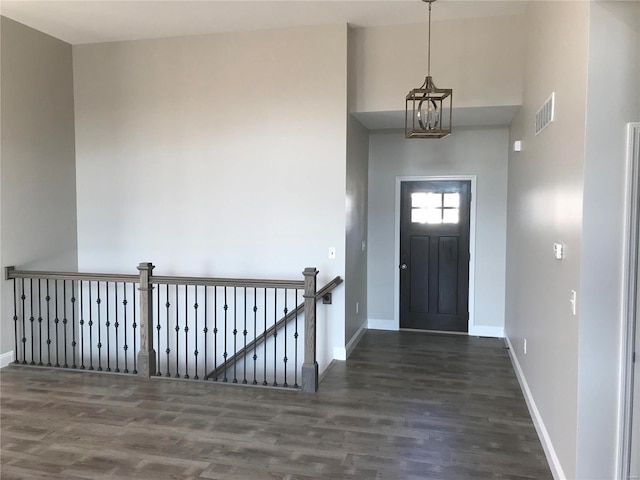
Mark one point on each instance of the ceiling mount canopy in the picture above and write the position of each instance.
(428, 109)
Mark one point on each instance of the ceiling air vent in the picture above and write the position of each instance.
(545, 115)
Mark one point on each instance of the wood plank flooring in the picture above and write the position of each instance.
(404, 406)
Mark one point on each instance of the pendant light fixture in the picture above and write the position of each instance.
(428, 109)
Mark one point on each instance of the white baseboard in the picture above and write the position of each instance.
(339, 353)
(381, 324)
(484, 331)
(342, 353)
(474, 330)
(325, 371)
(355, 339)
(6, 359)
(545, 440)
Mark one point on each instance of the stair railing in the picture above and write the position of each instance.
(201, 328)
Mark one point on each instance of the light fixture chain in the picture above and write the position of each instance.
(429, 45)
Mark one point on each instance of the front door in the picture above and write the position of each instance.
(434, 255)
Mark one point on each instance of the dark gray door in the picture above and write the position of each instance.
(434, 255)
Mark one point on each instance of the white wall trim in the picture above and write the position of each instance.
(325, 371)
(339, 353)
(383, 324)
(486, 331)
(545, 439)
(628, 300)
(6, 359)
(472, 243)
(342, 353)
(353, 343)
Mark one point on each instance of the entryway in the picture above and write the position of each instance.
(435, 231)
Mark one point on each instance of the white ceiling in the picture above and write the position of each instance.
(88, 21)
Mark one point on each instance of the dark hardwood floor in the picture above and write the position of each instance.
(404, 406)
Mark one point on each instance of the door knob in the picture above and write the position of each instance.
(403, 266)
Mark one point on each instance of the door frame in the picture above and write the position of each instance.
(472, 329)
(630, 325)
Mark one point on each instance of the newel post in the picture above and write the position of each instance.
(146, 355)
(310, 365)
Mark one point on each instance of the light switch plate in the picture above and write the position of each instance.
(558, 251)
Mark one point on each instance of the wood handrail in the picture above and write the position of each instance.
(226, 282)
(12, 273)
(328, 288)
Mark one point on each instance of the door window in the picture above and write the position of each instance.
(434, 208)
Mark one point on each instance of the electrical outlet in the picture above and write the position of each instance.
(525, 346)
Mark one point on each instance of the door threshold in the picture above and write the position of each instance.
(439, 332)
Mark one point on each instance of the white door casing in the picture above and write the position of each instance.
(629, 418)
(473, 330)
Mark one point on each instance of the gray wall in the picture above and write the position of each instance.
(468, 151)
(356, 228)
(614, 67)
(567, 185)
(38, 193)
(220, 155)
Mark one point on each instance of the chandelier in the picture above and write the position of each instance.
(425, 115)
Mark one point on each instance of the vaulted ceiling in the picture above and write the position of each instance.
(86, 21)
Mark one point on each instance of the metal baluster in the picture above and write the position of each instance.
(108, 324)
(286, 320)
(195, 312)
(56, 322)
(215, 333)
(255, 333)
(186, 331)
(81, 284)
(244, 332)
(235, 333)
(177, 331)
(73, 324)
(275, 336)
(116, 324)
(31, 318)
(295, 336)
(48, 300)
(98, 301)
(134, 325)
(168, 350)
(124, 308)
(264, 349)
(205, 331)
(40, 319)
(158, 328)
(64, 319)
(224, 355)
(90, 325)
(15, 320)
(24, 339)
